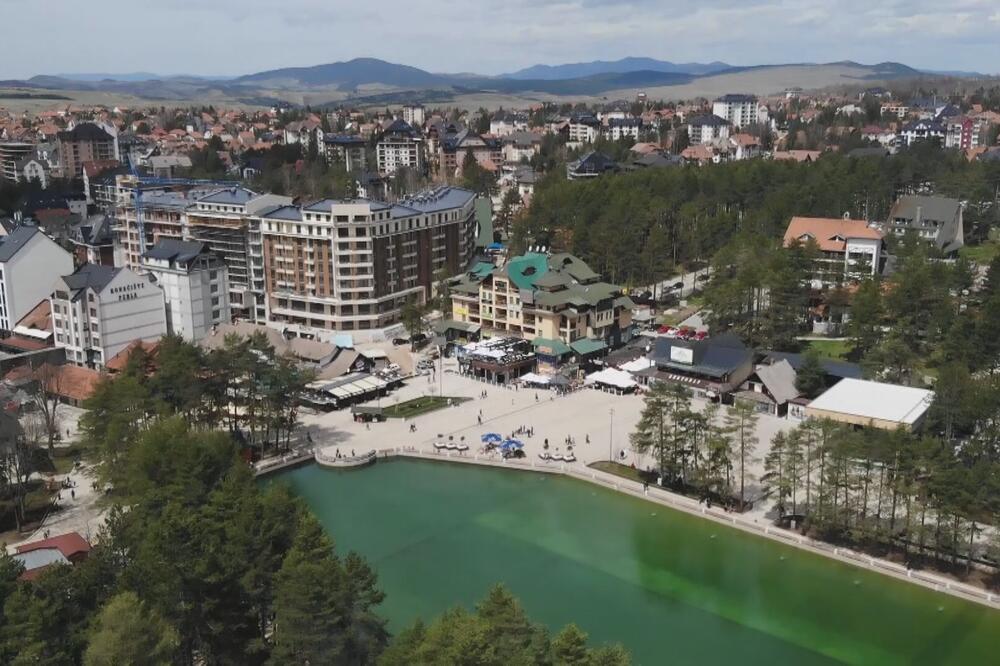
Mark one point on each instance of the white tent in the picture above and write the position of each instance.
(533, 378)
(611, 377)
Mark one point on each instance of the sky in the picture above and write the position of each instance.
(231, 37)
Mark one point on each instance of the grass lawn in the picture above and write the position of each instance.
(624, 471)
(418, 406)
(835, 349)
(982, 253)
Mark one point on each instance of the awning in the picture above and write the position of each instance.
(585, 346)
(533, 378)
(550, 347)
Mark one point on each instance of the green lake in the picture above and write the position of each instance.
(673, 588)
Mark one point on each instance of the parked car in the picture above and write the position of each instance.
(703, 277)
(400, 341)
(677, 285)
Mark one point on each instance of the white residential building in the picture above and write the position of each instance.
(740, 110)
(399, 146)
(706, 129)
(97, 311)
(584, 128)
(195, 286)
(30, 262)
(414, 115)
(623, 128)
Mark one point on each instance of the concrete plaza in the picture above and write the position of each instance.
(586, 413)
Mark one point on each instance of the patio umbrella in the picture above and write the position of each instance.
(491, 437)
(512, 444)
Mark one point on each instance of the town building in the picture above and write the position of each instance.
(414, 115)
(520, 147)
(93, 240)
(706, 129)
(506, 123)
(623, 128)
(487, 150)
(591, 165)
(923, 130)
(349, 150)
(30, 262)
(352, 265)
(863, 403)
(399, 146)
(87, 142)
(846, 250)
(97, 311)
(195, 286)
(11, 154)
(713, 368)
(740, 110)
(584, 128)
(935, 219)
(552, 296)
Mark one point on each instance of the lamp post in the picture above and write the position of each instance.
(611, 436)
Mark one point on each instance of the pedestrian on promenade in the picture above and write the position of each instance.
(480, 417)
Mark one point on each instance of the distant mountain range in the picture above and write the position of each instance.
(581, 69)
(365, 79)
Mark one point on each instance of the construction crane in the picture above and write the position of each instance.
(150, 181)
(140, 227)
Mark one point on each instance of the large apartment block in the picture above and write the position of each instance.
(225, 219)
(740, 110)
(353, 264)
(87, 142)
(97, 311)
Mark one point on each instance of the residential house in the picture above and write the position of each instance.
(507, 123)
(847, 250)
(935, 219)
(520, 147)
(591, 165)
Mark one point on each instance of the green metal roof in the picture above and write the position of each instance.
(482, 269)
(585, 346)
(525, 269)
(556, 347)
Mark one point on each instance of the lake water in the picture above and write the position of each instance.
(673, 588)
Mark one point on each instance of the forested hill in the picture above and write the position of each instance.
(634, 226)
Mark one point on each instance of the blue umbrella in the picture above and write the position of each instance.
(512, 444)
(491, 437)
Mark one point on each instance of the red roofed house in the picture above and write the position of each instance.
(32, 332)
(848, 250)
(70, 548)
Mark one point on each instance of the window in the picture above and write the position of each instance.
(215, 300)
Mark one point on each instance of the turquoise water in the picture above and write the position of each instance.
(673, 588)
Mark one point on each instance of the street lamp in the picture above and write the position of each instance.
(611, 436)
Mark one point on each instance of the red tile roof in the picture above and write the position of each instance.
(830, 234)
(70, 545)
